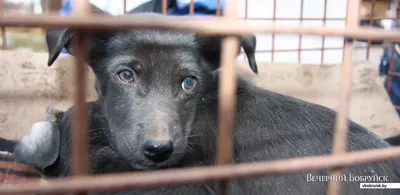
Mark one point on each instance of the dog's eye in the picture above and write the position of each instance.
(188, 83)
(126, 76)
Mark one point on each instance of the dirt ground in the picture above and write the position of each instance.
(28, 86)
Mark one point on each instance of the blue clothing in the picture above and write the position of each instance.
(180, 7)
(201, 7)
(66, 8)
(384, 65)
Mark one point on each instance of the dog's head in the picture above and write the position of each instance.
(149, 84)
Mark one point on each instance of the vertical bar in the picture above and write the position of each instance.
(227, 98)
(300, 36)
(3, 28)
(246, 16)
(373, 2)
(46, 6)
(191, 8)
(246, 9)
(273, 34)
(345, 23)
(341, 123)
(392, 57)
(323, 37)
(391, 66)
(80, 159)
(164, 7)
(125, 7)
(218, 12)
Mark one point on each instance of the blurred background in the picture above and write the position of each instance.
(279, 48)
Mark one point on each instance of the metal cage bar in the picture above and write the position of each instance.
(371, 20)
(341, 124)
(82, 22)
(216, 26)
(300, 36)
(46, 6)
(125, 7)
(191, 8)
(80, 154)
(218, 12)
(273, 34)
(176, 177)
(246, 17)
(227, 98)
(3, 28)
(164, 7)
(323, 37)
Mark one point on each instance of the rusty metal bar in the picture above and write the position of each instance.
(345, 23)
(125, 7)
(218, 12)
(46, 6)
(246, 17)
(391, 67)
(246, 9)
(396, 74)
(3, 28)
(164, 7)
(222, 172)
(323, 37)
(201, 174)
(392, 57)
(326, 48)
(371, 17)
(308, 19)
(191, 8)
(341, 124)
(227, 98)
(300, 36)
(79, 142)
(311, 19)
(273, 33)
(216, 26)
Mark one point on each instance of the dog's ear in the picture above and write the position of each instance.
(210, 48)
(57, 39)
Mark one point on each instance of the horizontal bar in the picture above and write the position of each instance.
(325, 49)
(178, 177)
(215, 26)
(271, 18)
(392, 73)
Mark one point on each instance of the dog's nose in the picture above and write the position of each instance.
(158, 150)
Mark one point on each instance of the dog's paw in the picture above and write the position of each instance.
(40, 146)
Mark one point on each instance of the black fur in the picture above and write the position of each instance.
(7, 145)
(394, 140)
(268, 125)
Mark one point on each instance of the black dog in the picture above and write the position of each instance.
(157, 109)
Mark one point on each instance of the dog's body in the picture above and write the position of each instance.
(173, 98)
(283, 127)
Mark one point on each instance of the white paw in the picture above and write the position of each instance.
(40, 135)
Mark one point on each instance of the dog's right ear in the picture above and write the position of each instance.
(57, 39)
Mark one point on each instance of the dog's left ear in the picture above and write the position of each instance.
(210, 48)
